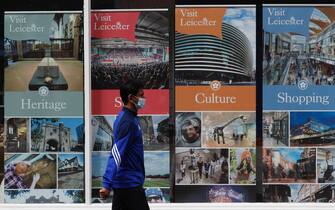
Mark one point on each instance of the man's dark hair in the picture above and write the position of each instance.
(129, 88)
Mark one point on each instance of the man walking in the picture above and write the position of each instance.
(125, 168)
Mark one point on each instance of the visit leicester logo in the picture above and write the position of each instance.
(303, 84)
(215, 85)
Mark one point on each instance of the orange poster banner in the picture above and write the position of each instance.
(200, 21)
(204, 98)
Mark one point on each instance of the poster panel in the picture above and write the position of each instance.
(215, 103)
(43, 127)
(298, 116)
(131, 45)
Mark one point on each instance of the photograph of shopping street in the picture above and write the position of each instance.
(275, 129)
(312, 129)
(291, 57)
(289, 165)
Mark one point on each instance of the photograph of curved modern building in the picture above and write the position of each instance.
(289, 57)
(202, 58)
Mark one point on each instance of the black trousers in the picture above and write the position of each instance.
(129, 199)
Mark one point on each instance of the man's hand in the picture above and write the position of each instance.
(104, 193)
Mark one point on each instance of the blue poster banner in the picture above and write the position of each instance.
(287, 19)
(300, 97)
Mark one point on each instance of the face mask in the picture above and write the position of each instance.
(140, 103)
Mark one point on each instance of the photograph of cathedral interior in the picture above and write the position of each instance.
(50, 55)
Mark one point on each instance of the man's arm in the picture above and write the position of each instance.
(122, 141)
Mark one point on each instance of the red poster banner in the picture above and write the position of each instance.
(114, 24)
(108, 102)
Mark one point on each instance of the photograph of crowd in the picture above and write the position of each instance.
(146, 59)
(201, 166)
(157, 169)
(215, 193)
(30, 171)
(188, 129)
(299, 193)
(17, 135)
(71, 171)
(312, 129)
(202, 58)
(229, 129)
(51, 57)
(109, 76)
(155, 132)
(102, 132)
(44, 196)
(326, 165)
(57, 134)
(243, 166)
(275, 129)
(290, 57)
(289, 165)
(288, 68)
